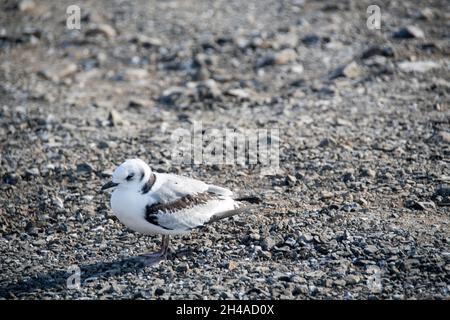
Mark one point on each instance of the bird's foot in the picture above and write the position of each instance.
(153, 259)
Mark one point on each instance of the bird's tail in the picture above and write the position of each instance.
(230, 213)
(249, 199)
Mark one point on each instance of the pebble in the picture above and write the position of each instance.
(84, 168)
(351, 70)
(115, 119)
(159, 291)
(58, 71)
(384, 51)
(418, 66)
(137, 103)
(27, 5)
(409, 32)
(103, 29)
(285, 56)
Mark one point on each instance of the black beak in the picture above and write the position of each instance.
(109, 185)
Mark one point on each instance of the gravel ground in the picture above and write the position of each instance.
(359, 208)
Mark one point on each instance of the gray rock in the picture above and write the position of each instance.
(138, 103)
(385, 51)
(182, 267)
(419, 205)
(33, 172)
(159, 292)
(146, 41)
(285, 56)
(84, 168)
(352, 279)
(58, 71)
(27, 5)
(102, 29)
(409, 32)
(348, 176)
(279, 58)
(351, 70)
(115, 119)
(306, 237)
(418, 66)
(371, 249)
(444, 136)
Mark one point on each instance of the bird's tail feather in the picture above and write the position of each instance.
(249, 199)
(229, 213)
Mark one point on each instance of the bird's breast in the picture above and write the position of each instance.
(129, 208)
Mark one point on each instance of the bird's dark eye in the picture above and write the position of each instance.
(130, 177)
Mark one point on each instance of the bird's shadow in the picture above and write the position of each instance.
(62, 279)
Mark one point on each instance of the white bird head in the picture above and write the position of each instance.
(133, 173)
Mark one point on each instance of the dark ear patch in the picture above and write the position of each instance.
(149, 184)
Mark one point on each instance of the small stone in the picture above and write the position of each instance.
(290, 242)
(208, 89)
(107, 145)
(371, 249)
(306, 237)
(137, 103)
(159, 292)
(58, 202)
(339, 283)
(133, 74)
(255, 236)
(268, 243)
(285, 278)
(442, 191)
(115, 119)
(59, 71)
(282, 57)
(298, 68)
(378, 51)
(326, 142)
(352, 279)
(367, 172)
(147, 42)
(285, 56)
(444, 136)
(27, 5)
(409, 32)
(418, 66)
(10, 178)
(301, 289)
(419, 205)
(104, 29)
(84, 168)
(33, 172)
(239, 93)
(351, 70)
(287, 40)
(182, 267)
(232, 265)
(291, 180)
(426, 14)
(348, 177)
(324, 194)
(350, 207)
(311, 40)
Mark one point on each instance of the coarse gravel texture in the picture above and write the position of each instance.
(358, 209)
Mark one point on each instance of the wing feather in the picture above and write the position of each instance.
(182, 203)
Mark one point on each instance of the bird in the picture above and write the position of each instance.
(154, 203)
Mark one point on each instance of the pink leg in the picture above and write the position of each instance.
(156, 257)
